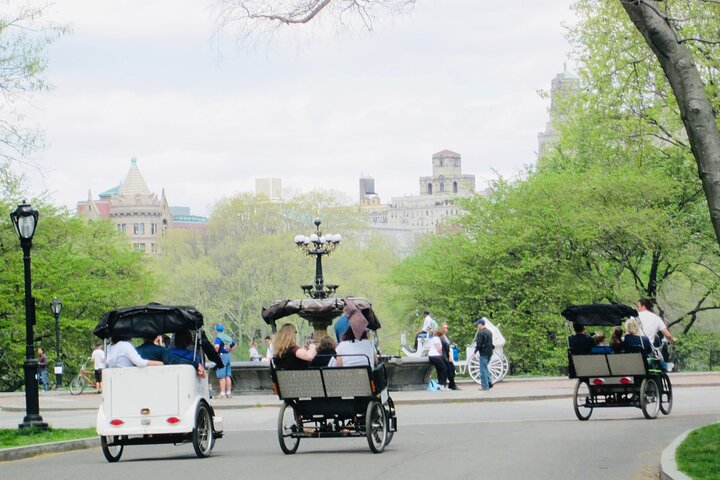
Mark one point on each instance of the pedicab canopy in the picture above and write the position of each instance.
(154, 319)
(319, 309)
(599, 314)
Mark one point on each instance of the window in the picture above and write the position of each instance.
(153, 247)
(455, 187)
(429, 189)
(121, 227)
(442, 186)
(139, 247)
(153, 229)
(138, 229)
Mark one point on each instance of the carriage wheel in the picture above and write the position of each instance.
(581, 400)
(77, 385)
(666, 395)
(376, 426)
(474, 368)
(203, 438)
(498, 367)
(505, 366)
(390, 414)
(112, 447)
(287, 425)
(649, 398)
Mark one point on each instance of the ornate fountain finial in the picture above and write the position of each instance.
(317, 245)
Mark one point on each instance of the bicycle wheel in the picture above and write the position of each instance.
(77, 385)
(649, 398)
(582, 400)
(666, 394)
(112, 447)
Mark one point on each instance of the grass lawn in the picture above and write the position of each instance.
(699, 454)
(19, 438)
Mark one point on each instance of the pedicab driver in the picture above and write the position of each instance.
(650, 322)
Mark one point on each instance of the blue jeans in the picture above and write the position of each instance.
(484, 372)
(43, 378)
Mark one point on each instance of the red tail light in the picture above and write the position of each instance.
(625, 380)
(173, 420)
(598, 381)
(116, 422)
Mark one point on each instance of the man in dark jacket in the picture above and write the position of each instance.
(484, 347)
(154, 349)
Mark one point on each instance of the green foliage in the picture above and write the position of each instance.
(10, 438)
(246, 259)
(698, 455)
(693, 350)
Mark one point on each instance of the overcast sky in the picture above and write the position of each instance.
(317, 108)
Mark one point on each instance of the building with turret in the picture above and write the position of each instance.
(136, 211)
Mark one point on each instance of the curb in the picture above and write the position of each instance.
(18, 453)
(668, 467)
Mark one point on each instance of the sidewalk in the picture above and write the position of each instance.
(510, 389)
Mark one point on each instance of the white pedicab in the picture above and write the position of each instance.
(156, 405)
(498, 366)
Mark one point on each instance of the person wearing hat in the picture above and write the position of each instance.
(484, 347)
(355, 348)
(224, 344)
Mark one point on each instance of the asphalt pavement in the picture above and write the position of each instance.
(510, 389)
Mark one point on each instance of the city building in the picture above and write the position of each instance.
(270, 187)
(141, 214)
(561, 86)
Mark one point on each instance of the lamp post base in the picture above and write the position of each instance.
(33, 421)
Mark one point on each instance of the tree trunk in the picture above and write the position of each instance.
(695, 107)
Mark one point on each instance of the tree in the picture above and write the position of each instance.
(24, 36)
(662, 24)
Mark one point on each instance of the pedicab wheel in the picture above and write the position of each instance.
(581, 399)
(77, 385)
(390, 414)
(111, 447)
(203, 439)
(376, 426)
(287, 425)
(649, 398)
(666, 395)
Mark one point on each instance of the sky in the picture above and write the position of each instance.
(318, 106)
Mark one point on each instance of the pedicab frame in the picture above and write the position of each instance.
(330, 402)
(156, 405)
(614, 379)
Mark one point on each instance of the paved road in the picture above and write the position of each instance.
(504, 440)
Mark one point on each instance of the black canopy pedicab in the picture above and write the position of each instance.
(156, 405)
(625, 379)
(330, 402)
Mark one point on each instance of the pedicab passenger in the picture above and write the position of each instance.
(600, 345)
(154, 349)
(325, 353)
(287, 353)
(121, 353)
(616, 340)
(581, 342)
(356, 349)
(634, 342)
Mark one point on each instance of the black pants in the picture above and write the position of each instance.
(450, 368)
(440, 365)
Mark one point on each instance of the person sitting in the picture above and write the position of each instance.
(581, 342)
(154, 349)
(600, 345)
(616, 340)
(254, 354)
(633, 341)
(121, 353)
(355, 348)
(325, 353)
(287, 353)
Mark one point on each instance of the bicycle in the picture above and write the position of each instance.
(83, 379)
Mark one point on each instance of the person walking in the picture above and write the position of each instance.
(42, 368)
(484, 348)
(224, 344)
(98, 358)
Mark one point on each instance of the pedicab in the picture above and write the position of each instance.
(609, 380)
(499, 366)
(156, 405)
(331, 402)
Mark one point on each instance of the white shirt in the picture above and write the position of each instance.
(268, 352)
(362, 347)
(435, 347)
(429, 325)
(650, 324)
(98, 357)
(123, 354)
(254, 354)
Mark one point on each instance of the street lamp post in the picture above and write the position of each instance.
(25, 220)
(56, 308)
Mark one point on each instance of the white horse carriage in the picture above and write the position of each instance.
(498, 366)
(156, 405)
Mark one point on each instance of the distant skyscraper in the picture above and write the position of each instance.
(562, 85)
(368, 196)
(270, 187)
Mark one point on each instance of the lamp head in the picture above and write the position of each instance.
(25, 220)
(56, 306)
